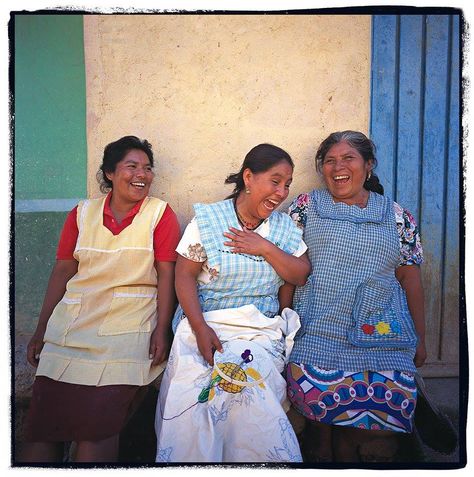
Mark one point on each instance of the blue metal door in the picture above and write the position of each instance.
(415, 124)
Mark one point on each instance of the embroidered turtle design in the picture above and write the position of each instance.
(234, 372)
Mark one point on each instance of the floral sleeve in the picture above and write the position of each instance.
(190, 245)
(298, 210)
(411, 252)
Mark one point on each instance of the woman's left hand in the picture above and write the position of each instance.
(160, 344)
(246, 241)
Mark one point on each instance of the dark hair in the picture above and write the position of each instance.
(259, 159)
(115, 152)
(364, 146)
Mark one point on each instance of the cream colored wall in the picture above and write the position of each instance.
(205, 89)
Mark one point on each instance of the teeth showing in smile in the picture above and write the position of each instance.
(138, 184)
(270, 204)
(341, 178)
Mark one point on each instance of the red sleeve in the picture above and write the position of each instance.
(166, 237)
(68, 238)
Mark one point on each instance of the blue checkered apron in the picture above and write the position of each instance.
(347, 247)
(243, 279)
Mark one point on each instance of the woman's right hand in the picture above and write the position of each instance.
(207, 342)
(34, 347)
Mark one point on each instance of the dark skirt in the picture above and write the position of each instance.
(62, 412)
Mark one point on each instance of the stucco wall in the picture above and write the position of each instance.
(204, 89)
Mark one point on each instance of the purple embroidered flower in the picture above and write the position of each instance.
(247, 356)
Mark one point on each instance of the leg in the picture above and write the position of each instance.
(105, 450)
(42, 452)
(361, 445)
(346, 443)
(298, 421)
(318, 443)
(382, 446)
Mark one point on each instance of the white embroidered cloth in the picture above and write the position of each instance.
(201, 417)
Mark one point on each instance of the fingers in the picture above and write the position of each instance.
(419, 361)
(208, 355)
(158, 357)
(33, 353)
(237, 231)
(217, 344)
(207, 348)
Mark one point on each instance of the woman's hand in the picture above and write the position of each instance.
(35, 346)
(420, 355)
(207, 342)
(246, 241)
(62, 272)
(160, 344)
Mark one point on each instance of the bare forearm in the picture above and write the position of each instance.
(294, 270)
(62, 272)
(409, 277)
(415, 304)
(166, 295)
(285, 296)
(188, 298)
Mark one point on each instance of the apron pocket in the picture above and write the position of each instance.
(64, 314)
(131, 311)
(381, 317)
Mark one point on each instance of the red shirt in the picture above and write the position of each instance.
(165, 237)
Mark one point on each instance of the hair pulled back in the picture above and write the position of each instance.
(260, 158)
(362, 144)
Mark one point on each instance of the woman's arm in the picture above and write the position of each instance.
(285, 296)
(409, 277)
(294, 270)
(62, 272)
(161, 338)
(187, 272)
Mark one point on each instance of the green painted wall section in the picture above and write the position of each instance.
(36, 239)
(50, 107)
(50, 159)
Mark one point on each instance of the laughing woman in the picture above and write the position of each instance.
(351, 372)
(222, 396)
(101, 333)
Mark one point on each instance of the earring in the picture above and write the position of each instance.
(247, 190)
(369, 175)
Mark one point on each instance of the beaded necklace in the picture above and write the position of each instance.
(243, 222)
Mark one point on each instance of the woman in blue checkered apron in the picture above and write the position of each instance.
(351, 371)
(223, 396)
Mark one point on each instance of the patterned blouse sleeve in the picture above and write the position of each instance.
(411, 251)
(298, 210)
(190, 245)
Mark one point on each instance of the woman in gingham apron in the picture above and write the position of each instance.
(351, 371)
(233, 258)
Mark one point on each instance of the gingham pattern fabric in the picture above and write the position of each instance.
(243, 279)
(381, 315)
(339, 239)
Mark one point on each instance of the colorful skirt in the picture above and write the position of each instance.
(376, 400)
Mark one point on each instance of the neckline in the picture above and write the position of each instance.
(242, 221)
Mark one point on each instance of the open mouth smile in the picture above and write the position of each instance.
(341, 179)
(271, 204)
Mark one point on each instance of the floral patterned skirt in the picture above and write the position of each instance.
(377, 400)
